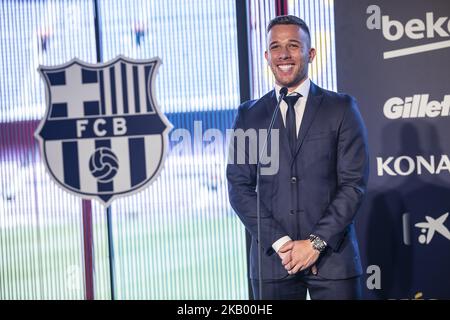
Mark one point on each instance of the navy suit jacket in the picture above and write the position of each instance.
(317, 190)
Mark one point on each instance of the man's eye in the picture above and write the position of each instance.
(293, 45)
(274, 47)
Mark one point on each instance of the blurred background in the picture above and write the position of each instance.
(178, 238)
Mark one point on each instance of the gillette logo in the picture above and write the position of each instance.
(415, 29)
(417, 106)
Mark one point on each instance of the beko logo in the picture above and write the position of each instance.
(429, 27)
(405, 165)
(417, 106)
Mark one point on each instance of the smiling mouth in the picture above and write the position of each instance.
(285, 67)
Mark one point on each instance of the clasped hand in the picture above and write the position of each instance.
(298, 255)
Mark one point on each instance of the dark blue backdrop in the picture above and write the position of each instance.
(410, 169)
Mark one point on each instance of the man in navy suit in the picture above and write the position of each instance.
(307, 207)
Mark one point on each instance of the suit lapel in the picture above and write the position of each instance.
(312, 106)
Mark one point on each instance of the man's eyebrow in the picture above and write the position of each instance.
(290, 40)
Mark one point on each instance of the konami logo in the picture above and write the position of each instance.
(405, 165)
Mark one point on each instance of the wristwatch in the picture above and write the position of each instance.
(317, 243)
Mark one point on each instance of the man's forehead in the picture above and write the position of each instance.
(285, 28)
(279, 34)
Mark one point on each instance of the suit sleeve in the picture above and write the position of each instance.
(352, 171)
(242, 193)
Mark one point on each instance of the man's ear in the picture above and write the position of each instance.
(266, 55)
(312, 55)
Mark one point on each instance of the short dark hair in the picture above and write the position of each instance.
(289, 19)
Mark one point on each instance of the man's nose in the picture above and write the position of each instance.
(284, 53)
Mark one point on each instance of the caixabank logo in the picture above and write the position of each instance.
(103, 135)
(431, 26)
(428, 228)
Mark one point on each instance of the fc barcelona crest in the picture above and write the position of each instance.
(103, 135)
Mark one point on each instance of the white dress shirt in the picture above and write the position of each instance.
(299, 107)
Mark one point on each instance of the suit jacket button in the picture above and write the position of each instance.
(292, 211)
(293, 179)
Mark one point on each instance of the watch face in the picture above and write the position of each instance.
(318, 244)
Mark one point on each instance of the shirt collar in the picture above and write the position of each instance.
(302, 89)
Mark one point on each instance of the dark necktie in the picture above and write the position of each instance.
(290, 120)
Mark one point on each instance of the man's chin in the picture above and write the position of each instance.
(289, 83)
(284, 83)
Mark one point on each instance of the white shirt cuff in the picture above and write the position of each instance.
(280, 242)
